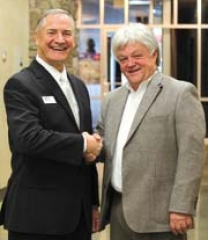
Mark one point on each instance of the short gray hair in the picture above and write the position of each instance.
(135, 33)
(53, 12)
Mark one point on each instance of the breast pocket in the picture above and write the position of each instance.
(54, 117)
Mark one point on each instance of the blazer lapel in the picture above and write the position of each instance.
(148, 99)
(52, 86)
(118, 105)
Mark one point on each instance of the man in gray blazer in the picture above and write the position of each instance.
(153, 129)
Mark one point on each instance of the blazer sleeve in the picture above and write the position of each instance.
(190, 131)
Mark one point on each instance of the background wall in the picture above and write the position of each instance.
(14, 45)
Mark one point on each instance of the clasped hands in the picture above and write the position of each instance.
(94, 144)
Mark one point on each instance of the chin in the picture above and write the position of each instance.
(59, 59)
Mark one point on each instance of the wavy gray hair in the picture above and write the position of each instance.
(135, 33)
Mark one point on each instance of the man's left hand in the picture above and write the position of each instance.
(180, 222)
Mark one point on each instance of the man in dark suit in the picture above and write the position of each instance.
(52, 193)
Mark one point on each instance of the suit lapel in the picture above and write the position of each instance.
(148, 99)
(77, 93)
(52, 86)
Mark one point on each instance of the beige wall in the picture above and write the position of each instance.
(14, 41)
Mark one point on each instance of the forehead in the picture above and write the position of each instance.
(57, 21)
(132, 47)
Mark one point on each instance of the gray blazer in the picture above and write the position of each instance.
(163, 156)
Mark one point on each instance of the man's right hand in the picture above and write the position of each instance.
(94, 144)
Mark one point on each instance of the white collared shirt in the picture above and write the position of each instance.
(132, 104)
(58, 76)
(55, 73)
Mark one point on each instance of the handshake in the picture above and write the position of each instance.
(94, 145)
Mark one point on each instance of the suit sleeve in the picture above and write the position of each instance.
(95, 187)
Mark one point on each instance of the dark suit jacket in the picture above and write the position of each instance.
(51, 185)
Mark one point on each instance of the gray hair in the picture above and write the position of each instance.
(54, 12)
(135, 33)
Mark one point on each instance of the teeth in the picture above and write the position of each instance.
(59, 49)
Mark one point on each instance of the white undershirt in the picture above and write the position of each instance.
(131, 107)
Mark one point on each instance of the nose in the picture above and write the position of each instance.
(130, 61)
(59, 37)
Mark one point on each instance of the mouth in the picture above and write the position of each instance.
(59, 48)
(132, 71)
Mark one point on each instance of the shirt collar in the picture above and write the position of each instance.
(143, 84)
(54, 72)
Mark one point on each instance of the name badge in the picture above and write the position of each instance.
(49, 99)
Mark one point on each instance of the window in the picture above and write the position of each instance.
(179, 25)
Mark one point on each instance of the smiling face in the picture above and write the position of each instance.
(136, 63)
(55, 40)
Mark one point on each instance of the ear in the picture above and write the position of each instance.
(73, 44)
(155, 55)
(36, 38)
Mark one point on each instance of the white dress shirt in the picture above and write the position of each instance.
(63, 82)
